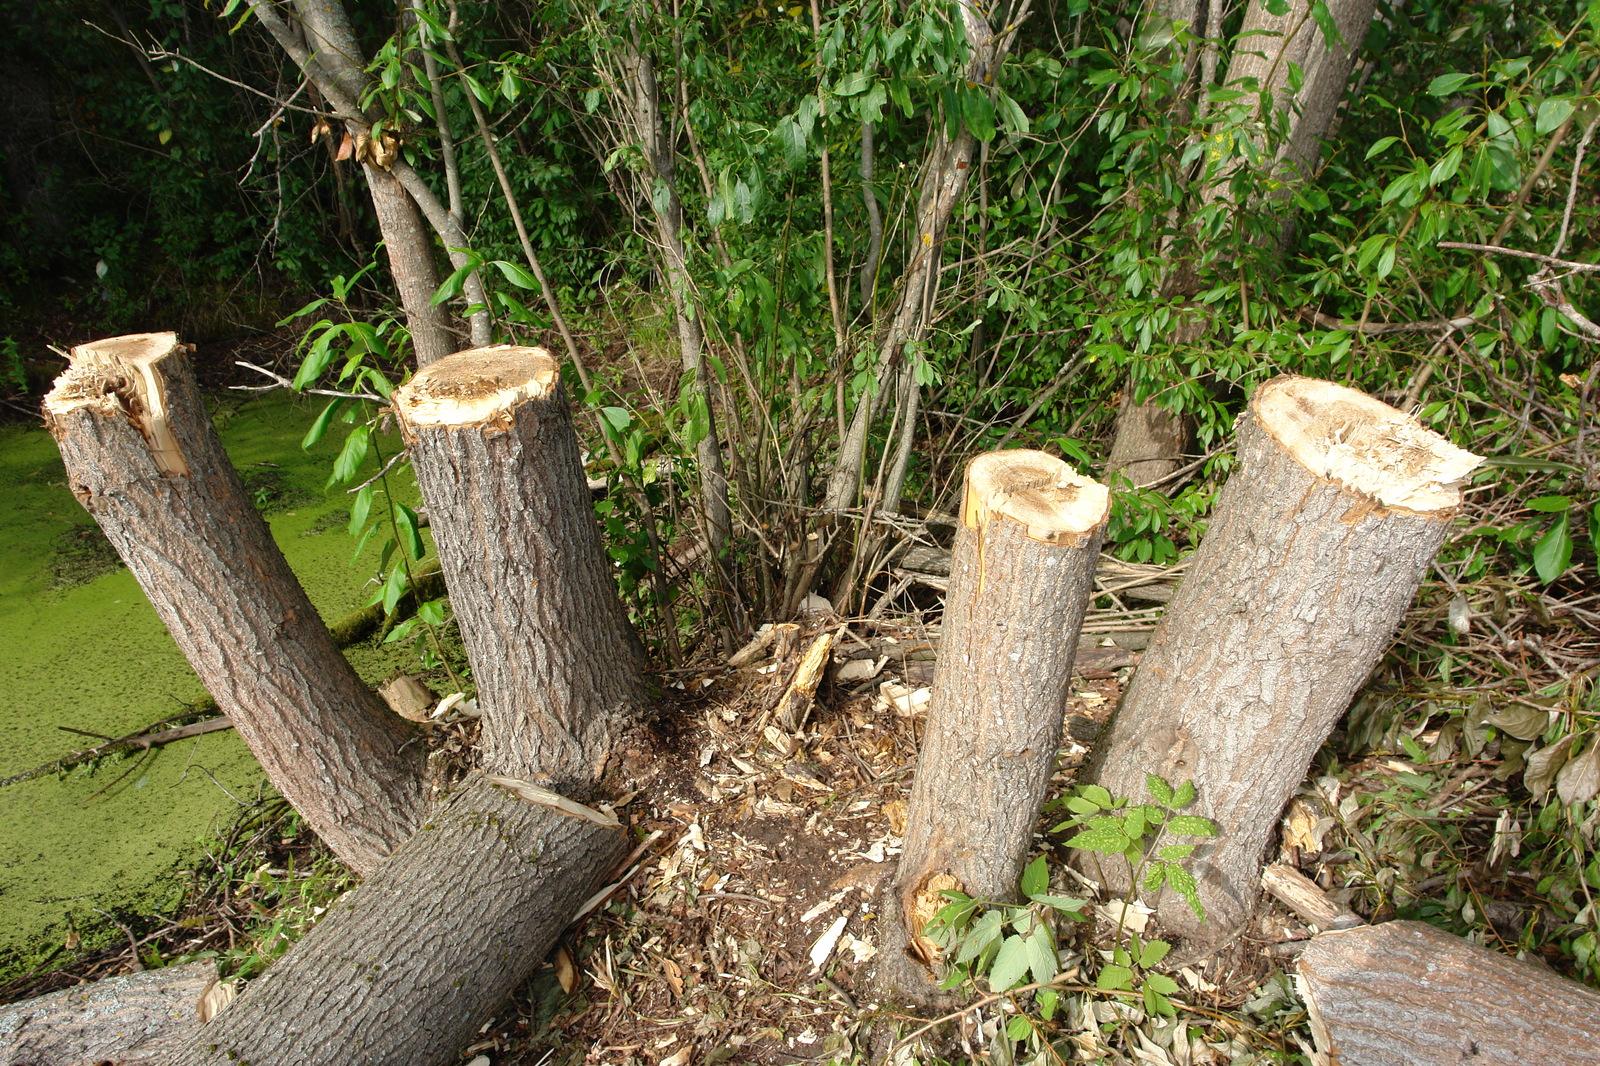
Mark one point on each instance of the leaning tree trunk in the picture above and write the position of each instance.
(143, 458)
(1022, 574)
(408, 968)
(1318, 544)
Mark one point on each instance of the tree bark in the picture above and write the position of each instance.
(1023, 573)
(556, 663)
(406, 968)
(1149, 444)
(411, 265)
(136, 1017)
(1407, 994)
(144, 460)
(1319, 541)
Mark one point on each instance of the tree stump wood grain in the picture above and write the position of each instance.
(1319, 541)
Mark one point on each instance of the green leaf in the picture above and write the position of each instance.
(1552, 113)
(1183, 797)
(1330, 29)
(1380, 146)
(1047, 998)
(1018, 1027)
(1156, 1003)
(1042, 962)
(1175, 852)
(1445, 84)
(1066, 904)
(1009, 965)
(1553, 552)
(1276, 8)
(1446, 168)
(1189, 825)
(1097, 795)
(1106, 841)
(1155, 877)
(1114, 978)
(1151, 953)
(320, 426)
(394, 588)
(406, 519)
(431, 612)
(351, 456)
(1010, 114)
(1161, 983)
(857, 81)
(1036, 878)
(519, 276)
(1159, 789)
(360, 509)
(977, 113)
(1549, 504)
(983, 933)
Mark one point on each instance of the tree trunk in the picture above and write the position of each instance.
(1023, 572)
(1407, 994)
(496, 458)
(407, 969)
(1149, 444)
(410, 251)
(1319, 541)
(143, 458)
(138, 1017)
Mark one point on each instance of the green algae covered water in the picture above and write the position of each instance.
(80, 647)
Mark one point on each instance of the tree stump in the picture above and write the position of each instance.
(143, 458)
(408, 968)
(555, 660)
(1407, 994)
(1319, 541)
(1022, 574)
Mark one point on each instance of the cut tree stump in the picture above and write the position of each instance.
(1022, 574)
(138, 1017)
(407, 968)
(143, 458)
(1319, 541)
(556, 663)
(1407, 994)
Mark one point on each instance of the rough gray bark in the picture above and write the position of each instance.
(1023, 573)
(493, 448)
(405, 969)
(144, 460)
(1319, 541)
(137, 1017)
(410, 251)
(1407, 994)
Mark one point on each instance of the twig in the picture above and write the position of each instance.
(281, 382)
(1538, 257)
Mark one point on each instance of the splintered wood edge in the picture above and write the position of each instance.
(121, 374)
(1364, 444)
(1037, 491)
(478, 387)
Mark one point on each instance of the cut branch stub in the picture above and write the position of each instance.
(556, 662)
(1318, 543)
(1021, 577)
(143, 458)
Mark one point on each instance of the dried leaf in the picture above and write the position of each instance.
(1543, 765)
(566, 973)
(347, 148)
(895, 813)
(1520, 721)
(217, 995)
(677, 1058)
(1579, 780)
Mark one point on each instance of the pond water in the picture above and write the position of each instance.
(91, 655)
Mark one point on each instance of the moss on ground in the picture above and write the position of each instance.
(83, 648)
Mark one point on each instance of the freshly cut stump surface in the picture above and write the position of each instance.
(1022, 573)
(1319, 542)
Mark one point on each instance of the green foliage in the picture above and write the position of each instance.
(973, 935)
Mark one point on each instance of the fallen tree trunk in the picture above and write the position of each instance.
(410, 965)
(1023, 571)
(406, 968)
(1319, 541)
(139, 1017)
(143, 458)
(1407, 994)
